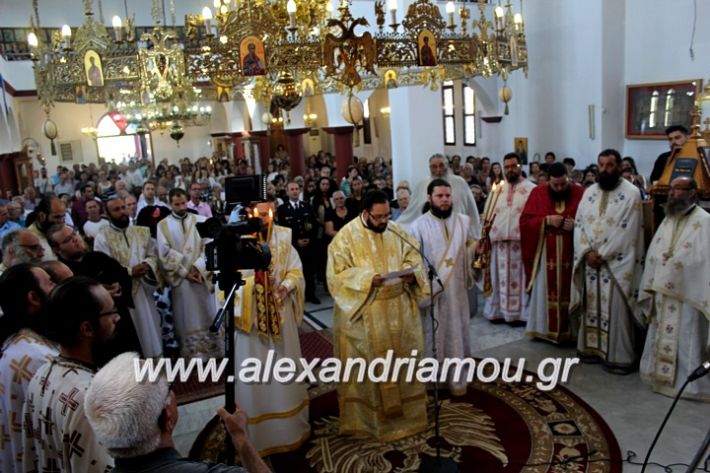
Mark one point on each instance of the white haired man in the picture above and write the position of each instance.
(139, 435)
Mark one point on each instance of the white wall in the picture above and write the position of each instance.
(657, 42)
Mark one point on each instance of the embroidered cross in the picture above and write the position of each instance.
(4, 437)
(51, 466)
(20, 370)
(44, 382)
(69, 401)
(14, 424)
(449, 262)
(47, 419)
(72, 442)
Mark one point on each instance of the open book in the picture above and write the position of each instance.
(395, 277)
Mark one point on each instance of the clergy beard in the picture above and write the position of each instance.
(675, 207)
(377, 228)
(609, 182)
(180, 214)
(560, 196)
(103, 350)
(440, 213)
(512, 177)
(121, 222)
(44, 226)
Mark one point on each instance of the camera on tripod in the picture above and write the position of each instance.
(234, 246)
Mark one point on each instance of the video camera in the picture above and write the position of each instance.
(232, 247)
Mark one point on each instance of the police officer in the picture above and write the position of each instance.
(298, 216)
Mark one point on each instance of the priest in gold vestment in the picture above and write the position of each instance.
(373, 314)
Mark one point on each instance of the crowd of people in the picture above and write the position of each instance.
(104, 263)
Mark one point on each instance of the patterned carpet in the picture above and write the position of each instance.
(497, 427)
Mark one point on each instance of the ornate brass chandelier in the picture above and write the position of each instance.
(280, 50)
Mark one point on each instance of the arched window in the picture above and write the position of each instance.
(117, 140)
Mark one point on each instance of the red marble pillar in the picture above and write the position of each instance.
(238, 148)
(296, 150)
(343, 149)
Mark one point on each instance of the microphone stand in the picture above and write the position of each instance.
(228, 311)
(430, 464)
(698, 456)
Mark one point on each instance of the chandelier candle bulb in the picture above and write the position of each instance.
(518, 20)
(291, 9)
(117, 28)
(207, 18)
(392, 6)
(66, 36)
(450, 8)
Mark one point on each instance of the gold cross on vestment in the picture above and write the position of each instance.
(449, 262)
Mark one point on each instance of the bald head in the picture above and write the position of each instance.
(682, 195)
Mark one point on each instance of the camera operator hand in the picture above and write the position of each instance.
(113, 289)
(236, 426)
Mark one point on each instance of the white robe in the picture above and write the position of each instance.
(57, 435)
(180, 248)
(278, 412)
(675, 300)
(22, 355)
(508, 299)
(132, 246)
(448, 244)
(604, 300)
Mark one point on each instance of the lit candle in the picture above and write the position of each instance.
(256, 212)
(392, 5)
(207, 18)
(117, 27)
(66, 36)
(291, 9)
(450, 8)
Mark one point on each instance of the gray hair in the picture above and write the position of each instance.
(439, 156)
(124, 412)
(12, 253)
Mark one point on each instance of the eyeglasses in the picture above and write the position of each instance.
(379, 218)
(73, 235)
(109, 312)
(36, 247)
(511, 166)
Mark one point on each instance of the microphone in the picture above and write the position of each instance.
(430, 266)
(699, 372)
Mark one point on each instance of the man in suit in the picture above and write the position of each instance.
(298, 216)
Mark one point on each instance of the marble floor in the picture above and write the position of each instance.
(630, 408)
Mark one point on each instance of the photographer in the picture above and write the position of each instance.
(139, 435)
